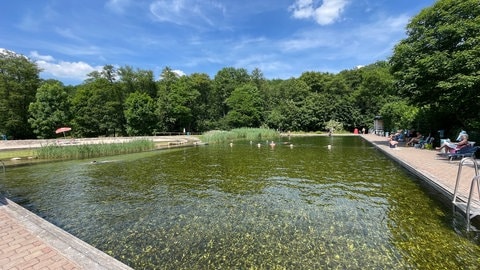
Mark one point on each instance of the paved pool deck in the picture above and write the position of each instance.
(29, 242)
(437, 171)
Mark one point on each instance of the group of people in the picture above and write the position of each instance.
(414, 137)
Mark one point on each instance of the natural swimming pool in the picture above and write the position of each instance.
(217, 206)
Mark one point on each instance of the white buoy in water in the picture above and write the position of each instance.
(329, 146)
(259, 145)
(231, 144)
(291, 145)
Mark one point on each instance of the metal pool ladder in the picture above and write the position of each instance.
(471, 209)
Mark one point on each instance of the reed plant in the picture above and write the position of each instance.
(83, 151)
(217, 136)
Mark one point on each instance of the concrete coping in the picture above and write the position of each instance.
(76, 250)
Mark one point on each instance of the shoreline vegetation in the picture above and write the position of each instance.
(57, 151)
(218, 136)
(24, 153)
(83, 151)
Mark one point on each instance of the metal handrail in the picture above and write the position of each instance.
(460, 166)
(469, 216)
(475, 180)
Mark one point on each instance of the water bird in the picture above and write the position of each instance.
(231, 144)
(259, 145)
(329, 146)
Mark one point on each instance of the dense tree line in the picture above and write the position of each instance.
(429, 83)
(123, 101)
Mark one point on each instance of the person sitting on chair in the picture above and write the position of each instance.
(415, 139)
(452, 147)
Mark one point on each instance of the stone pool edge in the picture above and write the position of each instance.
(430, 179)
(74, 249)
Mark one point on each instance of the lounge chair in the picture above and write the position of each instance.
(424, 142)
(468, 151)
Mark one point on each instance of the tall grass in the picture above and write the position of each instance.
(217, 136)
(83, 151)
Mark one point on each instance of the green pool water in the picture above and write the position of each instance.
(309, 206)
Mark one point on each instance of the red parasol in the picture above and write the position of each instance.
(63, 130)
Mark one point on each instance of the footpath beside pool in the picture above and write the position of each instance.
(30, 242)
(437, 172)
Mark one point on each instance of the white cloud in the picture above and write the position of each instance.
(327, 13)
(192, 13)
(37, 56)
(303, 9)
(179, 72)
(63, 69)
(117, 6)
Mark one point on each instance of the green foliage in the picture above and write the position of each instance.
(176, 102)
(334, 126)
(98, 109)
(438, 63)
(19, 80)
(139, 80)
(245, 107)
(217, 136)
(140, 114)
(398, 115)
(225, 81)
(83, 151)
(50, 110)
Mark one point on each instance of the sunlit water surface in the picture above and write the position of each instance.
(309, 206)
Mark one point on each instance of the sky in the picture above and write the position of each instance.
(283, 38)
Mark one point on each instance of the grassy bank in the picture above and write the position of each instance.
(253, 134)
(92, 150)
(8, 154)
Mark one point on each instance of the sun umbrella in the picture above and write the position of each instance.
(63, 130)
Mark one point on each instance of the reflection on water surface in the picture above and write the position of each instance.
(306, 207)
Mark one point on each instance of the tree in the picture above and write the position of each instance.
(372, 86)
(438, 64)
(96, 108)
(202, 108)
(19, 80)
(137, 81)
(284, 104)
(176, 101)
(245, 107)
(398, 115)
(50, 110)
(225, 81)
(140, 114)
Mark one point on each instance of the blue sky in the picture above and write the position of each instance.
(283, 38)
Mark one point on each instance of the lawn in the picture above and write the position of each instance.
(9, 154)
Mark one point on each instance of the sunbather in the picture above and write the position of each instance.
(393, 139)
(415, 139)
(452, 147)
